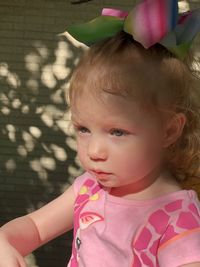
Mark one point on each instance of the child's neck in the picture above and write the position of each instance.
(152, 186)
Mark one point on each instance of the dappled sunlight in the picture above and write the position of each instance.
(9, 100)
(35, 123)
(71, 142)
(37, 139)
(25, 109)
(22, 151)
(35, 131)
(62, 53)
(64, 123)
(47, 77)
(5, 111)
(47, 163)
(11, 78)
(59, 152)
(3, 69)
(10, 165)
(31, 261)
(37, 167)
(29, 141)
(11, 132)
(32, 63)
(184, 6)
(33, 85)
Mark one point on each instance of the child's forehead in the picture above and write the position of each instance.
(107, 106)
(128, 78)
(121, 87)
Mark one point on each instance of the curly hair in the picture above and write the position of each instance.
(157, 80)
(184, 155)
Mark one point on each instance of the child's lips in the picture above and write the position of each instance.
(101, 175)
(99, 171)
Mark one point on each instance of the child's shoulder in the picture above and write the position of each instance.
(174, 214)
(183, 227)
(177, 200)
(186, 211)
(181, 208)
(83, 181)
(184, 201)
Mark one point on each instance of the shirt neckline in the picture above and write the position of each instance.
(183, 193)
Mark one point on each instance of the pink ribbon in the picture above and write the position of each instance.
(114, 13)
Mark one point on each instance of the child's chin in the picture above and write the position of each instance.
(105, 182)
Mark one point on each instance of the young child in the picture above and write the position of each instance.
(136, 114)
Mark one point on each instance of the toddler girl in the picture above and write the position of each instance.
(136, 114)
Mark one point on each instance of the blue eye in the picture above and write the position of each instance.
(118, 132)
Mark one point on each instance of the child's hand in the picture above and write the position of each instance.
(22, 235)
(9, 256)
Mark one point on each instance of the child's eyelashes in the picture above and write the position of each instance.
(118, 132)
(81, 129)
(113, 132)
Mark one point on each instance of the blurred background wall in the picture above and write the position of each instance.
(37, 149)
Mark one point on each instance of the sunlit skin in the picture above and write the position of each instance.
(121, 145)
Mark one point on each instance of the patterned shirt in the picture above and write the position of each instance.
(111, 231)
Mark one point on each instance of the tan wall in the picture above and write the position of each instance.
(37, 153)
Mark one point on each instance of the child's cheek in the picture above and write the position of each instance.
(82, 153)
(136, 161)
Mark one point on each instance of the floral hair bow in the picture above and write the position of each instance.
(149, 22)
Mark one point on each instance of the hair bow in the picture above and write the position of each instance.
(149, 22)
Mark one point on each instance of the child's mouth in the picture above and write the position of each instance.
(100, 174)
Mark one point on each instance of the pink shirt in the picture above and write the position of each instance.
(110, 231)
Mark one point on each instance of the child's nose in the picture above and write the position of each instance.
(97, 150)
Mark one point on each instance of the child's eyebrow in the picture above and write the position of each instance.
(75, 120)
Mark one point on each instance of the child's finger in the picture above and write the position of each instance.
(22, 263)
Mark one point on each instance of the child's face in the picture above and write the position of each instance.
(116, 142)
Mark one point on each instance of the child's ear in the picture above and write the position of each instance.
(174, 129)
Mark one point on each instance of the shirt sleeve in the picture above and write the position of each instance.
(181, 242)
(79, 182)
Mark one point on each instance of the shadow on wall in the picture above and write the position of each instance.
(37, 151)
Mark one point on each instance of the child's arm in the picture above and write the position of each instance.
(27, 233)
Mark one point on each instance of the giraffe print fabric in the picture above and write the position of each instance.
(113, 232)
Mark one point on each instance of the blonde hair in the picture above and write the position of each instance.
(157, 80)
